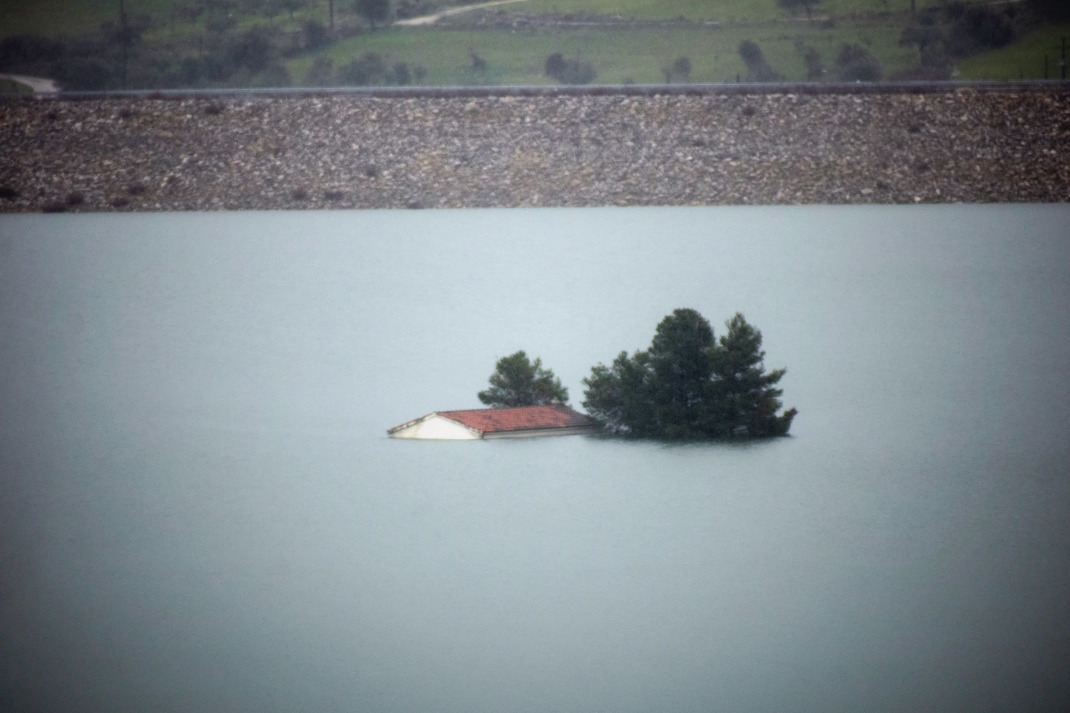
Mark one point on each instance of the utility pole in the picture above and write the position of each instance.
(1062, 62)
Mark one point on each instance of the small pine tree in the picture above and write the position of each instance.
(517, 381)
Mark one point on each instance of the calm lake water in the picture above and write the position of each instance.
(201, 510)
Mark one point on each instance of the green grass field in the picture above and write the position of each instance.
(619, 54)
(718, 10)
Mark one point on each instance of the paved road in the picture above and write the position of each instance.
(39, 85)
(432, 19)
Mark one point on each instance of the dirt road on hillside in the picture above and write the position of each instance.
(432, 19)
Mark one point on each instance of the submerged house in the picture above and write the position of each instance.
(522, 422)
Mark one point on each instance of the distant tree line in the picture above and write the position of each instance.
(942, 33)
(853, 63)
(208, 49)
(218, 43)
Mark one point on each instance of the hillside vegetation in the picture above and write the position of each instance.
(149, 44)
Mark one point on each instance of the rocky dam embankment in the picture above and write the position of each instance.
(157, 153)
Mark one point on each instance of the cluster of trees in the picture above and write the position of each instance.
(99, 60)
(369, 69)
(687, 386)
(945, 33)
(853, 63)
(955, 30)
(118, 55)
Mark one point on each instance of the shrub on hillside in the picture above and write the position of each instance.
(855, 63)
(374, 12)
(979, 29)
(20, 52)
(414, 8)
(569, 71)
(274, 75)
(370, 69)
(758, 69)
(365, 70)
(321, 73)
(815, 67)
(316, 35)
(253, 50)
(678, 71)
(87, 74)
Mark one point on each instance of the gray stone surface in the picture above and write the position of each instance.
(356, 151)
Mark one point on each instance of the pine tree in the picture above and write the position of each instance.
(681, 359)
(517, 381)
(747, 396)
(620, 396)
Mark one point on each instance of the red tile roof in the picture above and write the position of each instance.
(525, 418)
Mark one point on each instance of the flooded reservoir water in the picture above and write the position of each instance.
(201, 510)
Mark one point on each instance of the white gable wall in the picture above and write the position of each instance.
(436, 427)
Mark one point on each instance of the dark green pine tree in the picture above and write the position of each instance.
(517, 381)
(619, 396)
(746, 396)
(681, 361)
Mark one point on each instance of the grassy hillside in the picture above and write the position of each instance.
(1022, 60)
(626, 54)
(67, 17)
(718, 10)
(184, 48)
